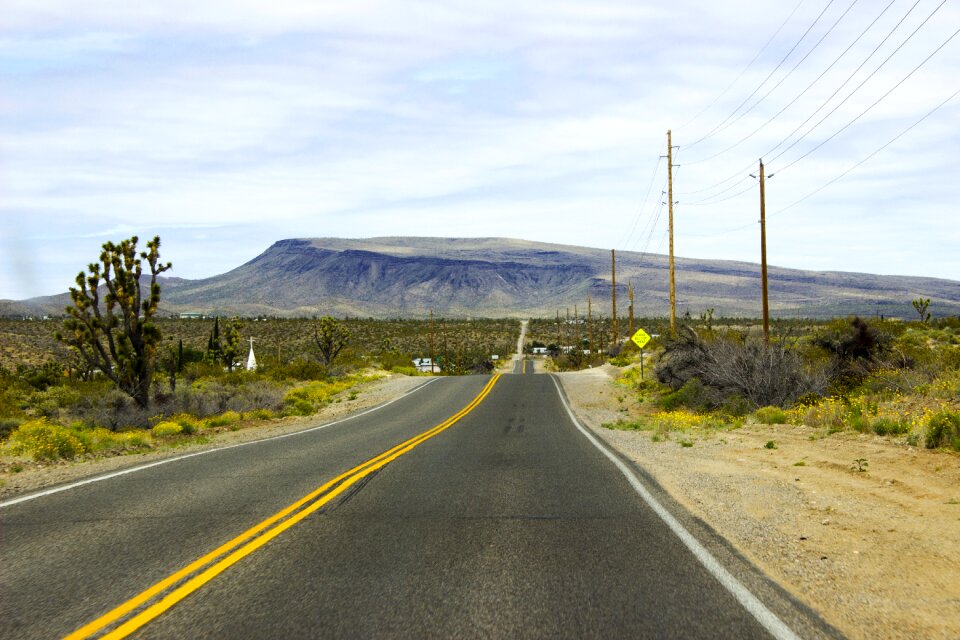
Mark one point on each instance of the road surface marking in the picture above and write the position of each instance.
(242, 545)
(142, 467)
(767, 619)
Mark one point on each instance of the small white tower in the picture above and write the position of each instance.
(251, 359)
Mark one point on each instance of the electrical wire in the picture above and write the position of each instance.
(643, 206)
(859, 86)
(782, 79)
(802, 93)
(889, 34)
(770, 75)
(744, 70)
(862, 113)
(864, 160)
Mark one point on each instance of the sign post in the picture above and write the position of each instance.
(641, 338)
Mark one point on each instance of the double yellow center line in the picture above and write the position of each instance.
(203, 570)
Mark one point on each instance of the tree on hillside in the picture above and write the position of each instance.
(331, 337)
(116, 334)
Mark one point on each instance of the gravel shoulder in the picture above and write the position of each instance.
(876, 553)
(36, 476)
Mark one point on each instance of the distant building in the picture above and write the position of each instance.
(426, 365)
(191, 315)
(539, 351)
(494, 357)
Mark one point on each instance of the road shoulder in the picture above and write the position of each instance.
(875, 553)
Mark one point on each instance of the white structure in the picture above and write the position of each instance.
(539, 351)
(251, 359)
(426, 365)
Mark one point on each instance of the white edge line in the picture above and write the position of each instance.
(108, 476)
(769, 620)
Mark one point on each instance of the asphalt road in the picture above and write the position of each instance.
(507, 524)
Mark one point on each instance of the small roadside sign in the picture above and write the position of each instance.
(641, 338)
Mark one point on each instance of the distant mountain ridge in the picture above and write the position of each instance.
(496, 277)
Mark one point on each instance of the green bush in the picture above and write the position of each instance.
(166, 429)
(7, 426)
(224, 419)
(943, 430)
(889, 427)
(45, 441)
(770, 415)
(188, 424)
(692, 395)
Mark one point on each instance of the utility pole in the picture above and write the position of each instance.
(566, 333)
(630, 295)
(673, 287)
(590, 326)
(576, 325)
(613, 277)
(763, 256)
(431, 341)
(559, 339)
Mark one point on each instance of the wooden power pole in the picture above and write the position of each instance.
(613, 277)
(763, 257)
(576, 340)
(590, 326)
(673, 287)
(431, 341)
(630, 295)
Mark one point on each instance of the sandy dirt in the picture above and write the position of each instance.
(877, 553)
(35, 476)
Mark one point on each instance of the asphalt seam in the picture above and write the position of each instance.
(766, 618)
(150, 465)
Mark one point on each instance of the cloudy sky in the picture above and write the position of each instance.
(225, 126)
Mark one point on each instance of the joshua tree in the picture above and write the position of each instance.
(331, 337)
(117, 335)
(921, 305)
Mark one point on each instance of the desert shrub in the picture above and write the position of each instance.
(407, 371)
(8, 426)
(42, 377)
(392, 360)
(943, 430)
(762, 374)
(256, 395)
(299, 369)
(113, 410)
(45, 441)
(736, 406)
(224, 419)
(889, 427)
(770, 415)
(692, 395)
(52, 400)
(188, 424)
(261, 414)
(166, 429)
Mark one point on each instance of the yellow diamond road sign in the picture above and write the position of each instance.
(641, 338)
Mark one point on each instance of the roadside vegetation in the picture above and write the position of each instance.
(114, 377)
(899, 380)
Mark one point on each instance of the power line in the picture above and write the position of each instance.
(862, 83)
(865, 111)
(802, 93)
(783, 79)
(643, 206)
(770, 75)
(890, 142)
(889, 34)
(745, 69)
